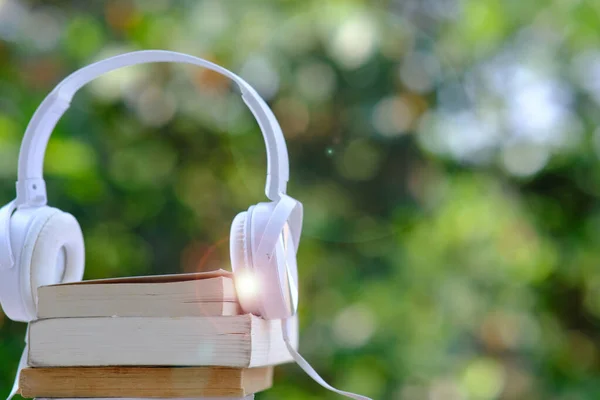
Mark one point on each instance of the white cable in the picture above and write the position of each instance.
(285, 326)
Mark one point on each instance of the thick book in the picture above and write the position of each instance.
(181, 295)
(143, 382)
(242, 341)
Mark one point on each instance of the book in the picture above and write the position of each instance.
(196, 294)
(143, 382)
(242, 341)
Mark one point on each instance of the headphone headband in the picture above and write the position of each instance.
(31, 189)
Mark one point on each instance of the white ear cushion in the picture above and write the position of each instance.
(241, 264)
(46, 239)
(237, 243)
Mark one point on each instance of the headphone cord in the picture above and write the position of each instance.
(287, 331)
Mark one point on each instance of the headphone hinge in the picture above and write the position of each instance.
(31, 193)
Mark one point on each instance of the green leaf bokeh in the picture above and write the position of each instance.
(446, 153)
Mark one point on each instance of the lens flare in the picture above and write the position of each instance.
(246, 284)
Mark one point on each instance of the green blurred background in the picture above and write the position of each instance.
(446, 152)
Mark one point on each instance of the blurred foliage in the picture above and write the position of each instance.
(446, 152)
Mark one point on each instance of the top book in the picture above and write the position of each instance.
(182, 295)
(168, 320)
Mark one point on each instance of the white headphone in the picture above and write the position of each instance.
(42, 245)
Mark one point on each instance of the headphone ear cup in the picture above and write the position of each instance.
(246, 283)
(274, 256)
(53, 252)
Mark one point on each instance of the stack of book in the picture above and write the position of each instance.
(170, 336)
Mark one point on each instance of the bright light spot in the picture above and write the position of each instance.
(466, 136)
(118, 83)
(354, 42)
(208, 19)
(246, 284)
(537, 107)
(82, 158)
(524, 159)
(12, 15)
(392, 116)
(155, 106)
(354, 326)
(483, 379)
(262, 75)
(47, 27)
